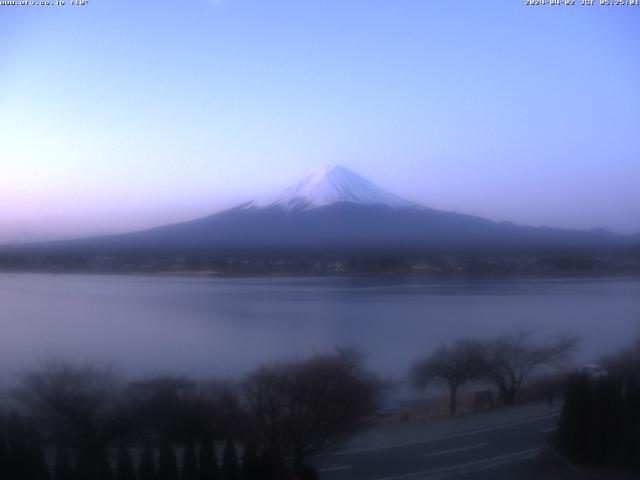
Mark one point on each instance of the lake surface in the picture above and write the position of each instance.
(220, 327)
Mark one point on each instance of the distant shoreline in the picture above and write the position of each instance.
(310, 275)
(510, 264)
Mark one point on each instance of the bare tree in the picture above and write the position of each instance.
(302, 407)
(82, 405)
(509, 359)
(453, 365)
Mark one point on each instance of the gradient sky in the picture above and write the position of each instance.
(126, 114)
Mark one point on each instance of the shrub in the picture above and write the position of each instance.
(600, 423)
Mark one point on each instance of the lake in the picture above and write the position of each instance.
(221, 327)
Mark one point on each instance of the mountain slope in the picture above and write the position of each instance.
(352, 227)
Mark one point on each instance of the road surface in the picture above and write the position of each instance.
(492, 451)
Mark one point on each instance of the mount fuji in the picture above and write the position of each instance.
(336, 210)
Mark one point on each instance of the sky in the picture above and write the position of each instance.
(120, 115)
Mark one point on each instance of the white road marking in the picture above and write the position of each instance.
(437, 439)
(455, 450)
(469, 466)
(334, 469)
(548, 430)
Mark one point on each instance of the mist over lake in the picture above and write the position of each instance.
(223, 327)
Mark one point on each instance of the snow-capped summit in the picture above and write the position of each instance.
(328, 185)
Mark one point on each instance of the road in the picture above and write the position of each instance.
(495, 451)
